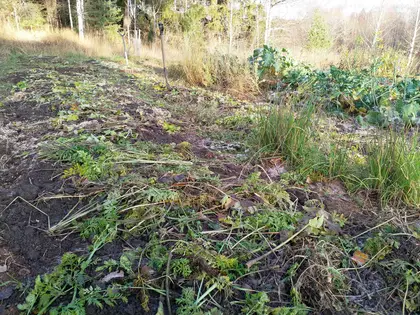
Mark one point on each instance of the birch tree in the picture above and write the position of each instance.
(414, 39)
(80, 8)
(231, 26)
(70, 15)
(378, 26)
(269, 5)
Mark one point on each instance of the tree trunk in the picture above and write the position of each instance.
(70, 15)
(267, 22)
(413, 41)
(16, 18)
(257, 20)
(137, 42)
(51, 6)
(231, 27)
(378, 26)
(127, 19)
(80, 18)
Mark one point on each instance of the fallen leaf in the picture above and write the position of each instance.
(160, 309)
(112, 276)
(360, 258)
(276, 161)
(228, 202)
(3, 268)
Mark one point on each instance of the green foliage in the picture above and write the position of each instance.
(170, 128)
(22, 86)
(256, 304)
(412, 278)
(92, 164)
(272, 220)
(290, 135)
(358, 92)
(29, 14)
(191, 22)
(70, 279)
(106, 220)
(380, 246)
(392, 162)
(269, 61)
(319, 36)
(103, 15)
(181, 267)
(186, 303)
(158, 255)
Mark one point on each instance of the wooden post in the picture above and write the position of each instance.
(122, 34)
(137, 42)
(162, 41)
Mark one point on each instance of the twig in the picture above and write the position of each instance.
(154, 162)
(168, 297)
(246, 236)
(373, 228)
(252, 262)
(69, 196)
(30, 204)
(265, 172)
(138, 206)
(405, 298)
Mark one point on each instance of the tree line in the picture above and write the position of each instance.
(231, 22)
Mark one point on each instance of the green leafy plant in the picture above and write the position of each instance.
(22, 86)
(186, 303)
(269, 61)
(256, 304)
(70, 279)
(181, 267)
(377, 100)
(170, 128)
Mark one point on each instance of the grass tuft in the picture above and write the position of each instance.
(393, 164)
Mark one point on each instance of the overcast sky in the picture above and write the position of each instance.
(299, 8)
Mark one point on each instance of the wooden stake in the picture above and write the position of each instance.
(122, 34)
(162, 41)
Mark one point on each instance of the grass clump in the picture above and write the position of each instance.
(292, 135)
(213, 69)
(390, 166)
(393, 165)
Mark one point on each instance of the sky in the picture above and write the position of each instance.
(299, 8)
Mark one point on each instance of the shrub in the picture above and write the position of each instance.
(319, 36)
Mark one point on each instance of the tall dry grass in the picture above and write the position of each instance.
(55, 43)
(215, 67)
